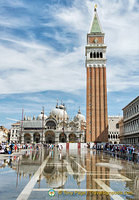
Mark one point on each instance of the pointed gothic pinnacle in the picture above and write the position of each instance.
(95, 7)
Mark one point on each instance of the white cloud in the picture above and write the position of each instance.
(39, 70)
(30, 66)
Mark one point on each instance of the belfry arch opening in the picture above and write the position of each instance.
(97, 54)
(91, 55)
(101, 55)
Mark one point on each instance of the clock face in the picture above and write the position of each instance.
(95, 40)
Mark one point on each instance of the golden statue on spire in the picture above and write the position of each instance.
(95, 7)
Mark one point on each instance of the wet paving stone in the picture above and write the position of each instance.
(50, 174)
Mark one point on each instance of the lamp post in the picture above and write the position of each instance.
(21, 132)
(42, 123)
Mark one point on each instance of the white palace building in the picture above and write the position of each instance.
(54, 128)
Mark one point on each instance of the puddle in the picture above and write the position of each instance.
(75, 175)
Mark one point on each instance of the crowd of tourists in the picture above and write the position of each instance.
(52, 146)
(129, 152)
(8, 148)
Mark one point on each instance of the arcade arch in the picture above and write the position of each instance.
(27, 138)
(72, 137)
(36, 137)
(62, 137)
(50, 137)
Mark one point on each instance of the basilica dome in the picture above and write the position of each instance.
(60, 113)
(40, 117)
(57, 180)
(80, 117)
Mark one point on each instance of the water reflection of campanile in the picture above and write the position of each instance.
(95, 172)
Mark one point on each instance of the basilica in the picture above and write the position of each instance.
(55, 128)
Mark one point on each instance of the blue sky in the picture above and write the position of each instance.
(42, 59)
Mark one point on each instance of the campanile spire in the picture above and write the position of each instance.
(95, 8)
(96, 26)
(96, 99)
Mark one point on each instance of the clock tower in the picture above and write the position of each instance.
(96, 111)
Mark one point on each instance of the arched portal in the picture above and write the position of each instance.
(36, 137)
(62, 137)
(27, 138)
(50, 137)
(72, 137)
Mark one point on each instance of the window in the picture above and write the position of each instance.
(91, 55)
(117, 125)
(101, 55)
(94, 54)
(51, 124)
(97, 54)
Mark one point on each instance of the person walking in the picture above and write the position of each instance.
(11, 147)
(133, 152)
(15, 147)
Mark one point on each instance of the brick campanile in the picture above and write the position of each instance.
(96, 102)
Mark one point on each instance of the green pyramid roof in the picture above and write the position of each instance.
(96, 28)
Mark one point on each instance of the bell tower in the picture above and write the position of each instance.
(96, 102)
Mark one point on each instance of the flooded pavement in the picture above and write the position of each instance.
(84, 174)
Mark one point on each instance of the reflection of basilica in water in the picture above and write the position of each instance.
(55, 128)
(56, 171)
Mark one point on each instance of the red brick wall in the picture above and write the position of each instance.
(99, 38)
(96, 112)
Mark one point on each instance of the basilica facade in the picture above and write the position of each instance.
(55, 128)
